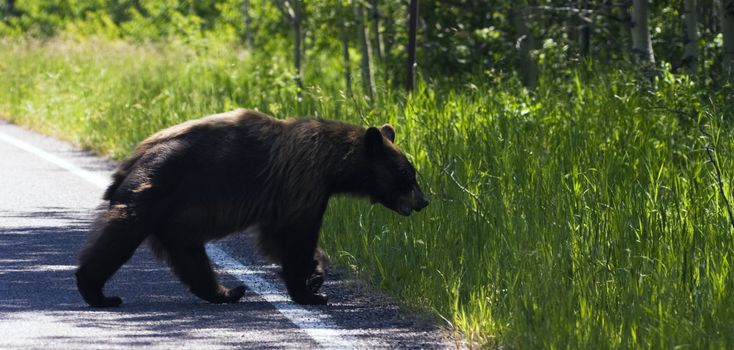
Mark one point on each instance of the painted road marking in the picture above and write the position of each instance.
(318, 325)
(64, 164)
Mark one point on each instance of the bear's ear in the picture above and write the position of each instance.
(389, 132)
(373, 140)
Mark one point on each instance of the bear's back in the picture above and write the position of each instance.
(208, 139)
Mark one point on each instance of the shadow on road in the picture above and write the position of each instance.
(37, 263)
(37, 278)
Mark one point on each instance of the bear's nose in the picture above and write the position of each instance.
(421, 203)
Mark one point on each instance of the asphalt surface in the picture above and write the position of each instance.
(45, 211)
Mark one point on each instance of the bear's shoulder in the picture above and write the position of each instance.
(237, 118)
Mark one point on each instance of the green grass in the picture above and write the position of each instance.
(584, 215)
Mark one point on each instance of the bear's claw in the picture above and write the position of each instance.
(92, 293)
(105, 302)
(235, 294)
(311, 299)
(315, 282)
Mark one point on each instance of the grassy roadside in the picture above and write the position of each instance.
(584, 215)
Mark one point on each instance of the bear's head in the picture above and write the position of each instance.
(392, 179)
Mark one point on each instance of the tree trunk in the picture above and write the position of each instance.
(412, 28)
(293, 11)
(389, 41)
(727, 30)
(248, 24)
(368, 79)
(376, 37)
(306, 40)
(528, 68)
(297, 20)
(641, 43)
(690, 52)
(347, 64)
(9, 10)
(584, 31)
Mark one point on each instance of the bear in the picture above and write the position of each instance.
(241, 171)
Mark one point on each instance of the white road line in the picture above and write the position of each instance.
(317, 325)
(66, 165)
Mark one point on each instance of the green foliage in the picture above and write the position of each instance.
(589, 212)
(585, 214)
(455, 38)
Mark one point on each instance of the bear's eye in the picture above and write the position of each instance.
(405, 178)
(409, 172)
(404, 173)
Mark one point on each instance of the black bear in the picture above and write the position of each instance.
(241, 171)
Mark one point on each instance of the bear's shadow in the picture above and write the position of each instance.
(37, 265)
(37, 277)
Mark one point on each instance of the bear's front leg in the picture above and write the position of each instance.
(319, 269)
(298, 289)
(300, 269)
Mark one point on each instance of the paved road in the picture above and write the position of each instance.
(45, 210)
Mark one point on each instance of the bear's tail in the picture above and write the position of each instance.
(117, 178)
(122, 172)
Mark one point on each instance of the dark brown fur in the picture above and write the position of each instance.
(243, 170)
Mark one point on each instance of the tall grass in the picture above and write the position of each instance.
(584, 215)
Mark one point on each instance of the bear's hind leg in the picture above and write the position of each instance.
(191, 264)
(111, 244)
